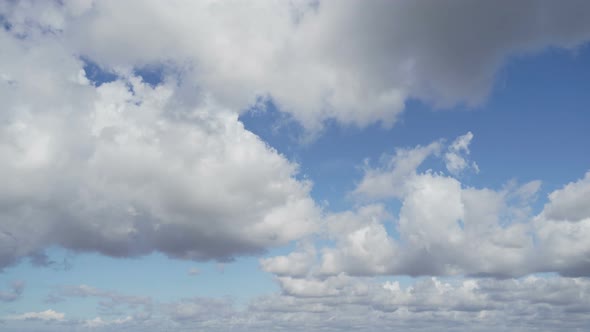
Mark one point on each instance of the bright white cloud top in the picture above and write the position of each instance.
(96, 157)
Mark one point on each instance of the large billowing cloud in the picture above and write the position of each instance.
(355, 62)
(127, 168)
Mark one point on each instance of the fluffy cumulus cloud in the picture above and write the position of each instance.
(389, 179)
(126, 168)
(349, 61)
(297, 263)
(445, 227)
(488, 240)
(456, 156)
(564, 226)
(571, 202)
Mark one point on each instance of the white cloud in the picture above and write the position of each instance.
(390, 179)
(563, 228)
(456, 157)
(298, 263)
(571, 202)
(126, 168)
(47, 315)
(446, 228)
(363, 245)
(362, 304)
(317, 60)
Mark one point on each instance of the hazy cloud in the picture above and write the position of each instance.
(47, 315)
(365, 304)
(456, 158)
(15, 292)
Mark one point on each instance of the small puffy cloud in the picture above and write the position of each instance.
(193, 271)
(456, 157)
(389, 179)
(298, 263)
(306, 287)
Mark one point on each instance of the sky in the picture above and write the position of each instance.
(313, 165)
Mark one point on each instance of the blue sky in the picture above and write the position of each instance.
(269, 166)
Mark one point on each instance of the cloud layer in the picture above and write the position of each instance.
(358, 304)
